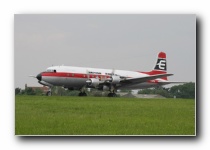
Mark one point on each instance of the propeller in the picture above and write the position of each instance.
(112, 74)
(33, 76)
(87, 72)
(39, 76)
(113, 71)
(88, 76)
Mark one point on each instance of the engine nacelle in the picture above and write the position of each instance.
(93, 82)
(115, 79)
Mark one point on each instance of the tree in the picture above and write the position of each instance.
(146, 91)
(29, 91)
(186, 90)
(38, 91)
(17, 91)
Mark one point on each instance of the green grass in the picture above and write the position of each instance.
(40, 115)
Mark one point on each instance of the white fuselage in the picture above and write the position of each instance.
(76, 77)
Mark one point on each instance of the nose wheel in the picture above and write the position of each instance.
(49, 92)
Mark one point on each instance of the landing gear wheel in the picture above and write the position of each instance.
(112, 95)
(82, 94)
(49, 93)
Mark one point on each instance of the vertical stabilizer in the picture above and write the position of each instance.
(160, 66)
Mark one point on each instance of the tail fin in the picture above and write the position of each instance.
(160, 66)
(161, 63)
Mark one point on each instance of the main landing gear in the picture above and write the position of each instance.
(82, 92)
(112, 95)
(112, 91)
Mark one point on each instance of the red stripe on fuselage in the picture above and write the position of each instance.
(73, 75)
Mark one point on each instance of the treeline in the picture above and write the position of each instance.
(186, 90)
(28, 91)
(59, 91)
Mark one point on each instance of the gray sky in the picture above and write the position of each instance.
(127, 42)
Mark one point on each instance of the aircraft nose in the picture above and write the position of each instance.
(39, 76)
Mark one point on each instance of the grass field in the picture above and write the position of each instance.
(40, 115)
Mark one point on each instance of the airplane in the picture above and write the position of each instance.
(80, 78)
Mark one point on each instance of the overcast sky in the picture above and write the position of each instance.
(126, 42)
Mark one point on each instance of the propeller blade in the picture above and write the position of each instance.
(113, 71)
(88, 75)
(32, 76)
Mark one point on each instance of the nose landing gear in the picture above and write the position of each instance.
(49, 92)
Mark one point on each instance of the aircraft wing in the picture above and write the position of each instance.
(144, 79)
